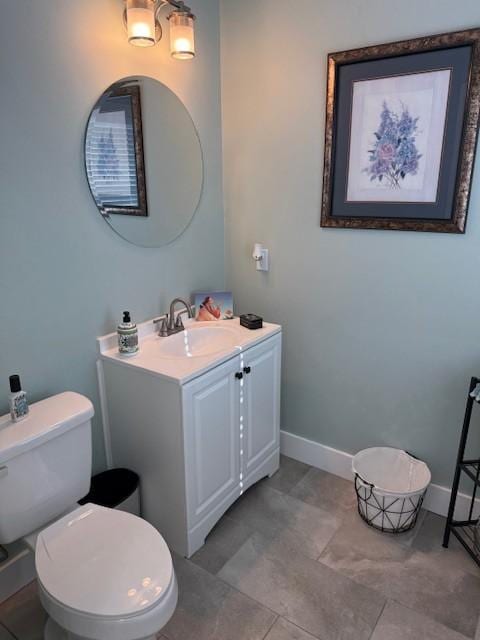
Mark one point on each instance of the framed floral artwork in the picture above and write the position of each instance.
(401, 132)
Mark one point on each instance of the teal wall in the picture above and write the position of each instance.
(65, 276)
(381, 329)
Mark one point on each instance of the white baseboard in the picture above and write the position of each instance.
(340, 464)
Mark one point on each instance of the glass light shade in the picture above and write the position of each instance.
(182, 35)
(141, 22)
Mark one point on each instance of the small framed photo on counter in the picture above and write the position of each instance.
(213, 305)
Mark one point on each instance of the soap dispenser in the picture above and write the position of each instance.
(127, 336)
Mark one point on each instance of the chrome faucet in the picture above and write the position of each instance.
(175, 326)
(169, 325)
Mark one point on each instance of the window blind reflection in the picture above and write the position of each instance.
(110, 153)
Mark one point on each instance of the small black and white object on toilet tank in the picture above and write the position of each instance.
(18, 399)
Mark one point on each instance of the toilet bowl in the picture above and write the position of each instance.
(103, 574)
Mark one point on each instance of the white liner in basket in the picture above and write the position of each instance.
(390, 487)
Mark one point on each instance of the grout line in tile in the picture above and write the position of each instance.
(8, 631)
(272, 538)
(280, 528)
(271, 626)
(295, 624)
(425, 615)
(326, 544)
(245, 595)
(379, 616)
(298, 482)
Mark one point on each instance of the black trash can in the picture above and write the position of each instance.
(117, 489)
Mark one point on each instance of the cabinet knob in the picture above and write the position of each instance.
(247, 369)
(239, 375)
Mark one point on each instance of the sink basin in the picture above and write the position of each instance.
(196, 342)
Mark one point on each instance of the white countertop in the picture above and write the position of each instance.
(183, 369)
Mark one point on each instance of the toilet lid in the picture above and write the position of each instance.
(103, 562)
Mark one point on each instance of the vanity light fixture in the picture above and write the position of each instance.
(182, 34)
(142, 21)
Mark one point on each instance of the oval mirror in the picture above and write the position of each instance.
(144, 161)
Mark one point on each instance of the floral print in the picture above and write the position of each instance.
(394, 154)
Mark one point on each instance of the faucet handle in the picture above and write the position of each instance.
(179, 322)
(163, 331)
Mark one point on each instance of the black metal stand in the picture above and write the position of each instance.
(464, 529)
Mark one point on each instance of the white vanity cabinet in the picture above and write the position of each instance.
(196, 445)
(262, 405)
(211, 439)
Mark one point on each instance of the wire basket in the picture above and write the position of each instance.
(390, 485)
(390, 514)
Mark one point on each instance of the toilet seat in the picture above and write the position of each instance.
(104, 573)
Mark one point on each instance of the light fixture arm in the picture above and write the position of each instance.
(178, 4)
(159, 4)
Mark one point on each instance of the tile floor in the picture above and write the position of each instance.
(291, 560)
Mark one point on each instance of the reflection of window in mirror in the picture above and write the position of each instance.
(114, 153)
(166, 155)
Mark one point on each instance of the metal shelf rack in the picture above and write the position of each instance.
(464, 530)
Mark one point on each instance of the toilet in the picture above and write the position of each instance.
(102, 573)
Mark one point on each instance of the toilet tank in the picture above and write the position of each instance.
(45, 463)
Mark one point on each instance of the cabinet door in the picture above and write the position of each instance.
(261, 407)
(211, 430)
